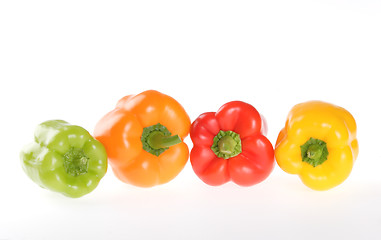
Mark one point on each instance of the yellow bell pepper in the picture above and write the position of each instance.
(318, 143)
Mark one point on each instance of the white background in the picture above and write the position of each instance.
(73, 60)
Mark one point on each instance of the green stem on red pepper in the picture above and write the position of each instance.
(227, 144)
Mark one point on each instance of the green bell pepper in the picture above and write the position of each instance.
(64, 158)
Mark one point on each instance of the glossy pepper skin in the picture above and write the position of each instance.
(64, 158)
(229, 145)
(318, 143)
(144, 136)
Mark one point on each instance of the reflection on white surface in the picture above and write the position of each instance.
(186, 208)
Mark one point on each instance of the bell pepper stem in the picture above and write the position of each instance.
(314, 152)
(75, 162)
(157, 140)
(227, 144)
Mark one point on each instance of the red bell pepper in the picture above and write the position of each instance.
(229, 145)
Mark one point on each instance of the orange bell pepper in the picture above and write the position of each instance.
(143, 137)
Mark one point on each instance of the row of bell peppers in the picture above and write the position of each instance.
(143, 141)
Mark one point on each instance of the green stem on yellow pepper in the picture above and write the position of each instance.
(314, 152)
